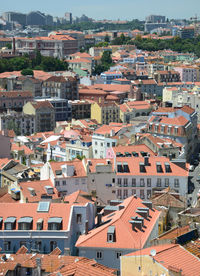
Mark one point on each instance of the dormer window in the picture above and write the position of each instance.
(111, 236)
(55, 223)
(10, 223)
(159, 167)
(25, 223)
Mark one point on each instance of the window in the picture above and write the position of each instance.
(142, 194)
(133, 182)
(95, 151)
(133, 191)
(38, 246)
(125, 182)
(119, 182)
(113, 180)
(7, 246)
(99, 255)
(148, 182)
(77, 181)
(113, 144)
(176, 183)
(118, 254)
(101, 144)
(108, 145)
(125, 194)
(110, 238)
(119, 194)
(142, 182)
(166, 182)
(79, 218)
(57, 183)
(158, 182)
(148, 194)
(53, 245)
(64, 182)
(95, 143)
(176, 130)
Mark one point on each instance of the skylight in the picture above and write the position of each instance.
(43, 206)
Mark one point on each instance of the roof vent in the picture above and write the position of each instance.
(32, 191)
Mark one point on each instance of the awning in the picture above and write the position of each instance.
(1, 219)
(10, 220)
(40, 220)
(55, 220)
(25, 220)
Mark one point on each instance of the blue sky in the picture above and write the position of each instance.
(109, 9)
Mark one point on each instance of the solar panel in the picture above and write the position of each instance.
(43, 206)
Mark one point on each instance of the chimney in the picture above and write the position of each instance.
(86, 227)
(99, 219)
(136, 224)
(38, 264)
(148, 204)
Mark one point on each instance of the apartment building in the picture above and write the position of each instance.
(21, 123)
(132, 109)
(179, 124)
(188, 73)
(101, 179)
(44, 115)
(51, 46)
(102, 139)
(14, 100)
(60, 87)
(143, 175)
(80, 109)
(43, 226)
(167, 76)
(105, 113)
(122, 227)
(67, 177)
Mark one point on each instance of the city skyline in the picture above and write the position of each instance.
(104, 10)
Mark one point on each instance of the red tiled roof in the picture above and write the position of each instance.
(78, 167)
(151, 170)
(42, 104)
(16, 94)
(133, 148)
(120, 219)
(25, 149)
(39, 188)
(30, 210)
(174, 257)
(78, 197)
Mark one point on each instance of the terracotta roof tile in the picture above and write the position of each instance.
(174, 257)
(120, 219)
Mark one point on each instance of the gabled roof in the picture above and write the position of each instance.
(42, 104)
(78, 197)
(79, 170)
(19, 210)
(173, 257)
(126, 237)
(39, 188)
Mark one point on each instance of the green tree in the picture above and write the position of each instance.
(107, 39)
(27, 71)
(106, 57)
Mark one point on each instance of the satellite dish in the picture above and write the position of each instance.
(153, 252)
